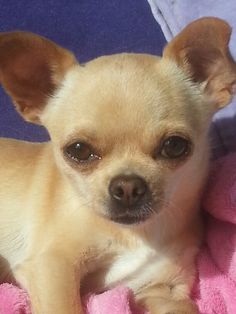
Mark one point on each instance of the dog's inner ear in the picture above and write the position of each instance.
(201, 49)
(31, 68)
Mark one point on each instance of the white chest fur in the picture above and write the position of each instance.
(135, 268)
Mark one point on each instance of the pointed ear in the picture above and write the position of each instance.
(201, 49)
(31, 68)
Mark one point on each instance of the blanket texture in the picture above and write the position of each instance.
(14, 300)
(173, 16)
(215, 288)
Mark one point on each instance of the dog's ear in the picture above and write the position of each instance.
(31, 68)
(201, 49)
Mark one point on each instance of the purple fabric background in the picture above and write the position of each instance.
(88, 28)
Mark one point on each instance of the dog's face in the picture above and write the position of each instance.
(129, 131)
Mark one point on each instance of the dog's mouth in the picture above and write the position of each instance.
(129, 219)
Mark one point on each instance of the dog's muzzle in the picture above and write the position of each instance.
(129, 196)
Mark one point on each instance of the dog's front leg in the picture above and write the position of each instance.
(163, 299)
(168, 306)
(52, 284)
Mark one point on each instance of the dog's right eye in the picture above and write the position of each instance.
(80, 152)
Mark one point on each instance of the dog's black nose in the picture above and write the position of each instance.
(127, 190)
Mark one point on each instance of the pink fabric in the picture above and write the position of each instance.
(215, 292)
(117, 301)
(13, 300)
(215, 289)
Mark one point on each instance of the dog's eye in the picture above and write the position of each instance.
(80, 152)
(175, 147)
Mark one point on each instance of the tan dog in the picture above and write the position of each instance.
(114, 197)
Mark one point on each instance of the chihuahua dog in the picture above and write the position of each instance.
(113, 198)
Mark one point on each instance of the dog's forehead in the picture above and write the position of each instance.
(123, 91)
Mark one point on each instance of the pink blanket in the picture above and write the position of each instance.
(215, 289)
(215, 292)
(117, 301)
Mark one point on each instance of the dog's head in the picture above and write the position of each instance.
(128, 130)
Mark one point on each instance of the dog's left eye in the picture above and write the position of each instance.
(80, 152)
(175, 147)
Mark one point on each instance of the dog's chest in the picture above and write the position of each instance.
(134, 268)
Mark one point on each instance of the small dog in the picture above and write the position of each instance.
(113, 198)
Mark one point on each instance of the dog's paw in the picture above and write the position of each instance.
(165, 306)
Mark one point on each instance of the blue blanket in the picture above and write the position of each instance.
(88, 28)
